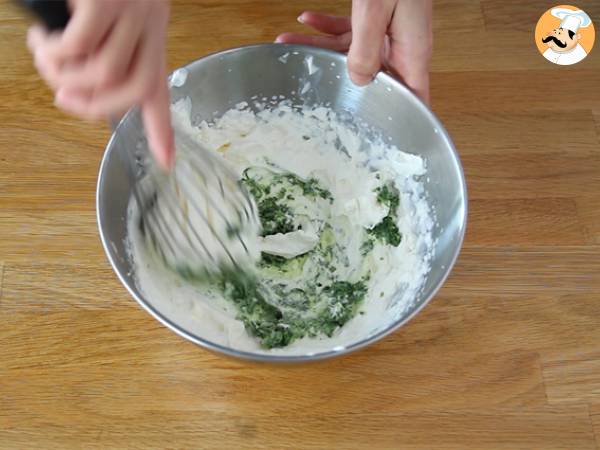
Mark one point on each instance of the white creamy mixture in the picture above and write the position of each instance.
(312, 144)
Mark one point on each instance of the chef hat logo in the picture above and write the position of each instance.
(571, 19)
(565, 35)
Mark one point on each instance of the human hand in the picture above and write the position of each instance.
(395, 34)
(111, 56)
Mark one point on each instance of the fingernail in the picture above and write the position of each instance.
(166, 158)
(29, 41)
(279, 39)
(359, 79)
(59, 97)
(32, 36)
(300, 18)
(62, 99)
(167, 162)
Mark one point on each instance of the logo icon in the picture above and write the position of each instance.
(565, 35)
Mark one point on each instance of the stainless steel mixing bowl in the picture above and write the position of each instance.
(304, 75)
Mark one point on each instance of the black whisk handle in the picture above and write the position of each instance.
(54, 13)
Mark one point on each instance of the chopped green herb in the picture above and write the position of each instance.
(310, 187)
(344, 298)
(389, 196)
(367, 246)
(278, 327)
(272, 260)
(275, 217)
(281, 194)
(260, 318)
(253, 186)
(387, 232)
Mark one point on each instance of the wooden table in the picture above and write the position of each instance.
(507, 356)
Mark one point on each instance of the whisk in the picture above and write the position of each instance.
(198, 218)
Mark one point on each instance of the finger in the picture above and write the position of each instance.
(338, 43)
(416, 77)
(325, 22)
(47, 70)
(36, 35)
(64, 97)
(418, 82)
(411, 65)
(46, 67)
(142, 80)
(85, 96)
(85, 31)
(111, 64)
(411, 42)
(120, 49)
(156, 115)
(369, 25)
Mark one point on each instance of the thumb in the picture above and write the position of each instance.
(369, 25)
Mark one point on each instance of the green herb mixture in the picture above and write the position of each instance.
(312, 294)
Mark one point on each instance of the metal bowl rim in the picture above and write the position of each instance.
(285, 358)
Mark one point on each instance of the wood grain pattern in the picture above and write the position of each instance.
(573, 378)
(518, 15)
(594, 411)
(507, 356)
(1, 279)
(49, 287)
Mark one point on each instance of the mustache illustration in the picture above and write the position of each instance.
(556, 41)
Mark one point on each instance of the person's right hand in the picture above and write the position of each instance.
(110, 57)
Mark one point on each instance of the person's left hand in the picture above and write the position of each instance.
(395, 34)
